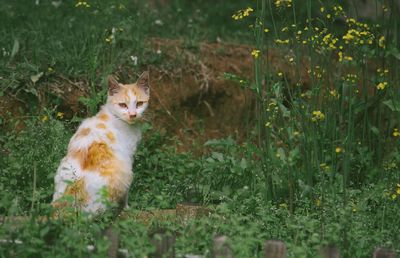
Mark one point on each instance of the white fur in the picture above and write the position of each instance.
(127, 139)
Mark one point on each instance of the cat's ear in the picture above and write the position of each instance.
(143, 82)
(113, 85)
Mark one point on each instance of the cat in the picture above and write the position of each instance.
(99, 160)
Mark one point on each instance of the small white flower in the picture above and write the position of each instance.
(158, 22)
(56, 4)
(134, 60)
(159, 51)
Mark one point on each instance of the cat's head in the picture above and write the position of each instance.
(128, 101)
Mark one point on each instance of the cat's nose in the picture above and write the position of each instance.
(132, 115)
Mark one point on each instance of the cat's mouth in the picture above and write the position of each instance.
(133, 120)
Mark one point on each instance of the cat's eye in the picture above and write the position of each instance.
(139, 103)
(123, 105)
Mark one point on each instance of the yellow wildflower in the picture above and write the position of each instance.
(381, 42)
(280, 41)
(266, 30)
(396, 132)
(45, 118)
(255, 53)
(60, 115)
(348, 58)
(242, 13)
(82, 4)
(283, 3)
(338, 150)
(324, 167)
(334, 93)
(317, 116)
(381, 85)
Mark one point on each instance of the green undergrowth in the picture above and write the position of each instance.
(224, 179)
(320, 166)
(47, 42)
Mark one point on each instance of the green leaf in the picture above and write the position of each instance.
(394, 52)
(243, 163)
(375, 130)
(36, 77)
(15, 48)
(394, 105)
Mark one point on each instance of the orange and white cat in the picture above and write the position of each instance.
(100, 154)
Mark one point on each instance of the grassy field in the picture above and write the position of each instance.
(279, 117)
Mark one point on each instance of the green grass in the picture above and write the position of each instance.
(300, 176)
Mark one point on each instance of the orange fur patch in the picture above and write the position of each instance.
(111, 137)
(78, 190)
(77, 154)
(101, 126)
(140, 94)
(99, 158)
(103, 117)
(83, 132)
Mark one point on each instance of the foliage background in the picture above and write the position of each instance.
(314, 161)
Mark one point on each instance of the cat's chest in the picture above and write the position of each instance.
(126, 141)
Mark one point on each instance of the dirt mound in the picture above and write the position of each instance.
(191, 98)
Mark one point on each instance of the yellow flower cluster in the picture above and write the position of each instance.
(335, 94)
(381, 85)
(82, 4)
(60, 115)
(255, 53)
(317, 116)
(350, 78)
(344, 57)
(389, 165)
(338, 10)
(381, 42)
(324, 167)
(318, 72)
(280, 41)
(382, 72)
(242, 13)
(395, 194)
(329, 41)
(283, 3)
(396, 132)
(358, 33)
(110, 39)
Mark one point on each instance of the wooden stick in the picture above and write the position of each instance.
(384, 253)
(221, 248)
(274, 249)
(330, 251)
